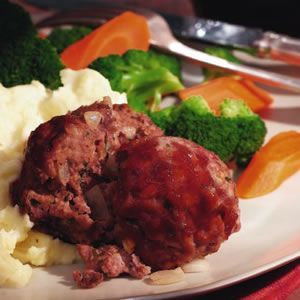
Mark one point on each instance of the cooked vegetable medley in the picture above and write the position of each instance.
(236, 134)
(144, 76)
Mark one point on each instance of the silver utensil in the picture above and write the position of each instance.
(267, 44)
(162, 38)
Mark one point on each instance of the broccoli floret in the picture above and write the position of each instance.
(15, 23)
(152, 60)
(194, 120)
(30, 59)
(227, 54)
(251, 128)
(234, 135)
(196, 104)
(231, 108)
(221, 53)
(144, 76)
(61, 38)
(163, 118)
(23, 56)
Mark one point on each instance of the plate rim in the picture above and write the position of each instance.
(220, 284)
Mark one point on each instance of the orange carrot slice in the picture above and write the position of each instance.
(216, 90)
(260, 93)
(271, 165)
(124, 32)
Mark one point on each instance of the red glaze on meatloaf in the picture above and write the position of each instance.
(176, 201)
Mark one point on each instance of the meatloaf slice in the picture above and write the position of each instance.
(175, 202)
(65, 158)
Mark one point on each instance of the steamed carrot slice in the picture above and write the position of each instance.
(260, 93)
(271, 165)
(124, 32)
(216, 90)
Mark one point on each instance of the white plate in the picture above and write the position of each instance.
(269, 238)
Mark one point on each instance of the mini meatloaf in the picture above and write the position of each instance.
(65, 158)
(175, 201)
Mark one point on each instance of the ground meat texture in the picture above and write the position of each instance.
(108, 260)
(176, 201)
(87, 279)
(65, 158)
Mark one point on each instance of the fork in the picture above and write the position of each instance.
(162, 38)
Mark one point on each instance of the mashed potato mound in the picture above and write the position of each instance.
(40, 249)
(14, 228)
(22, 109)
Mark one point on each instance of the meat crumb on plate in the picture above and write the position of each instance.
(108, 260)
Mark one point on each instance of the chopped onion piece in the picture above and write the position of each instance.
(129, 132)
(167, 276)
(195, 266)
(92, 118)
(64, 173)
(111, 167)
(97, 203)
(128, 245)
(107, 100)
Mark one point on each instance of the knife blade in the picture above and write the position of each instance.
(267, 44)
(212, 31)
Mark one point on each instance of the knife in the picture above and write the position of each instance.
(266, 43)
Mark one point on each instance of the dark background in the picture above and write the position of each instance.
(282, 16)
